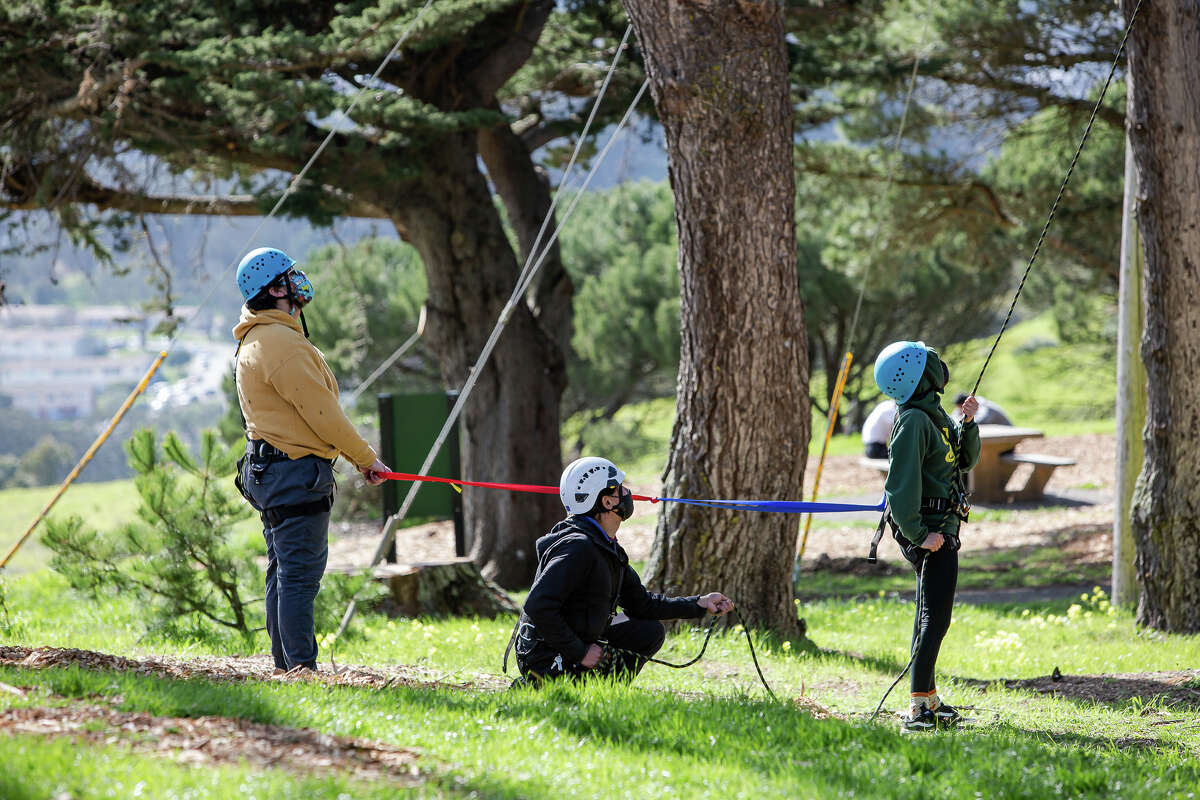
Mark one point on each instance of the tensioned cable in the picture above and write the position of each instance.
(612, 68)
(291, 188)
(349, 400)
(1061, 190)
(533, 250)
(517, 296)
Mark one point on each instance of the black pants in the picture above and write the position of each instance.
(937, 578)
(643, 637)
(876, 450)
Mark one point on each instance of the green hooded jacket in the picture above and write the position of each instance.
(922, 457)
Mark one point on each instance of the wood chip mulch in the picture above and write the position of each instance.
(240, 668)
(219, 740)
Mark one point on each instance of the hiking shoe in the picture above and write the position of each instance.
(947, 716)
(921, 720)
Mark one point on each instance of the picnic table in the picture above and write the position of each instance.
(998, 462)
(989, 479)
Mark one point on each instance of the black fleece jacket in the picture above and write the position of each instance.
(582, 577)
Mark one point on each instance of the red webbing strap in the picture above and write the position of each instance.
(512, 487)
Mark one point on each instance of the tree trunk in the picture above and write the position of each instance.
(718, 73)
(1164, 130)
(512, 417)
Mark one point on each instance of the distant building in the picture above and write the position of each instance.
(53, 401)
(55, 360)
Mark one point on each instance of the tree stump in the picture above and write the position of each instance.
(452, 588)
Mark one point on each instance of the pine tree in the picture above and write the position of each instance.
(179, 555)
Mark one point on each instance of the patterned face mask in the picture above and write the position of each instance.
(624, 507)
(301, 286)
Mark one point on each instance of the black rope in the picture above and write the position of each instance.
(712, 626)
(1061, 190)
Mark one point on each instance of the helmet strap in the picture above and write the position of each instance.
(304, 324)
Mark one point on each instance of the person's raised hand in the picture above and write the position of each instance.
(592, 657)
(372, 473)
(715, 603)
(970, 408)
(933, 542)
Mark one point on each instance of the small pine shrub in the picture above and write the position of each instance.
(179, 555)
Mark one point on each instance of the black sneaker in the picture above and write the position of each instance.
(920, 721)
(947, 716)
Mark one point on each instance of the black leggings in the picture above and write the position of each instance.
(937, 577)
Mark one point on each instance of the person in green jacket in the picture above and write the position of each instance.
(929, 457)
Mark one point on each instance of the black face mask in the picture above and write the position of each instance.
(624, 508)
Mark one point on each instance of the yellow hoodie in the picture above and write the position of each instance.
(288, 393)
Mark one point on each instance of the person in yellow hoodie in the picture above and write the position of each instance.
(294, 430)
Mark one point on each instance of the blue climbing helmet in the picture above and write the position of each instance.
(898, 369)
(260, 267)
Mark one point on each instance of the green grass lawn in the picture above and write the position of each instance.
(708, 731)
(104, 505)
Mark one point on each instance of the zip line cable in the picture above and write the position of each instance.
(349, 400)
(612, 68)
(518, 294)
(174, 337)
(1061, 190)
(294, 183)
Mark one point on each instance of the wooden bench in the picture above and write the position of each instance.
(1043, 468)
(880, 464)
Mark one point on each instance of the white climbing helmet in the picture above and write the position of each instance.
(584, 479)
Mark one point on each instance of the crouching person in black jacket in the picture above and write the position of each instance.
(570, 625)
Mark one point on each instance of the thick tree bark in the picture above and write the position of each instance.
(512, 417)
(718, 73)
(1164, 130)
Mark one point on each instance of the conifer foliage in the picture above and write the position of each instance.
(179, 554)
